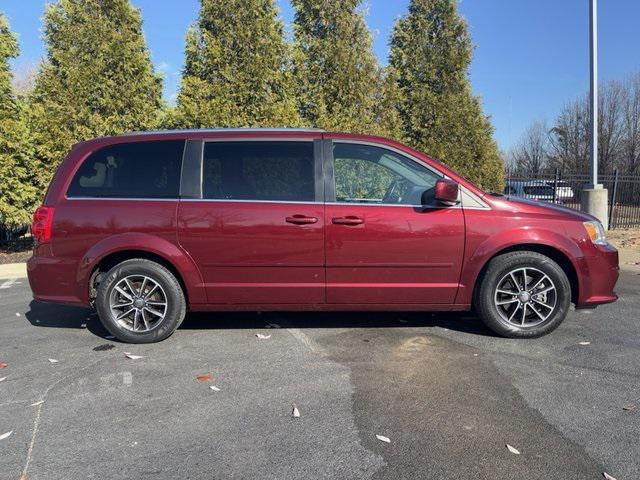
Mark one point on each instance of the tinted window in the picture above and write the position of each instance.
(259, 171)
(368, 174)
(131, 170)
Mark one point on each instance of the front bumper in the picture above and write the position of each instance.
(597, 277)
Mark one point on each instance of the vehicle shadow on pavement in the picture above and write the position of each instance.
(65, 316)
(459, 321)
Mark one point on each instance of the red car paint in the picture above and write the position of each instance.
(232, 255)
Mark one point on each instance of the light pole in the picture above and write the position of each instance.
(594, 198)
(593, 57)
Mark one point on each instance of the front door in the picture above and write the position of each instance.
(257, 232)
(387, 240)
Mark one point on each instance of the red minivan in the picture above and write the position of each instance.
(147, 226)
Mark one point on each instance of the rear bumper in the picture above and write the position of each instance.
(597, 277)
(52, 280)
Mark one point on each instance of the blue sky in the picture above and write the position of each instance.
(531, 56)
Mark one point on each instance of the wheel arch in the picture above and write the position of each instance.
(111, 260)
(555, 254)
(113, 250)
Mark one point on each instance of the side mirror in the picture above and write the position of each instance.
(446, 192)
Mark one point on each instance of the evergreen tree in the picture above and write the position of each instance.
(430, 56)
(97, 79)
(17, 194)
(387, 121)
(336, 71)
(237, 71)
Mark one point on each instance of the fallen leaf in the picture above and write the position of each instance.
(53, 360)
(3, 379)
(607, 476)
(204, 378)
(131, 356)
(214, 388)
(382, 438)
(5, 435)
(35, 404)
(584, 343)
(295, 412)
(262, 337)
(513, 450)
(3, 365)
(626, 407)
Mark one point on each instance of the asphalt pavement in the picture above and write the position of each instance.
(448, 394)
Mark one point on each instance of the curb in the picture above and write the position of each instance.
(13, 270)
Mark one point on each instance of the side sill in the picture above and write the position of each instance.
(325, 307)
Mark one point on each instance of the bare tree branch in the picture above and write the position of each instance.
(531, 152)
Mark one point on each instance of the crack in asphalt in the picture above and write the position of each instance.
(36, 421)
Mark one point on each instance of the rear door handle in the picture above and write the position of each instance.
(301, 220)
(348, 220)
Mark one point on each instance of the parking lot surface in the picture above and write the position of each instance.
(448, 394)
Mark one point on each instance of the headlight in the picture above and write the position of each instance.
(596, 233)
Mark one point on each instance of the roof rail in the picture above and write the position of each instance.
(213, 130)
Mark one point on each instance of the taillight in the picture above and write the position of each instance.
(41, 226)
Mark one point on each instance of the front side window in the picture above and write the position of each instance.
(131, 170)
(375, 175)
(268, 171)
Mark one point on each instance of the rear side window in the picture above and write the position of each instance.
(131, 170)
(277, 171)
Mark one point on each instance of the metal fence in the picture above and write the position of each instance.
(566, 189)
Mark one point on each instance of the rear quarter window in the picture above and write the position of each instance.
(131, 170)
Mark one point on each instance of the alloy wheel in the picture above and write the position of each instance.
(138, 303)
(525, 297)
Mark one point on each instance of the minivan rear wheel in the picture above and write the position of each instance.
(523, 294)
(140, 301)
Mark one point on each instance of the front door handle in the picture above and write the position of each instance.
(348, 220)
(301, 220)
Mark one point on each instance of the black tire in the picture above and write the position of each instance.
(497, 269)
(175, 300)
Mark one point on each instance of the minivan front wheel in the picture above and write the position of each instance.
(140, 301)
(523, 294)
